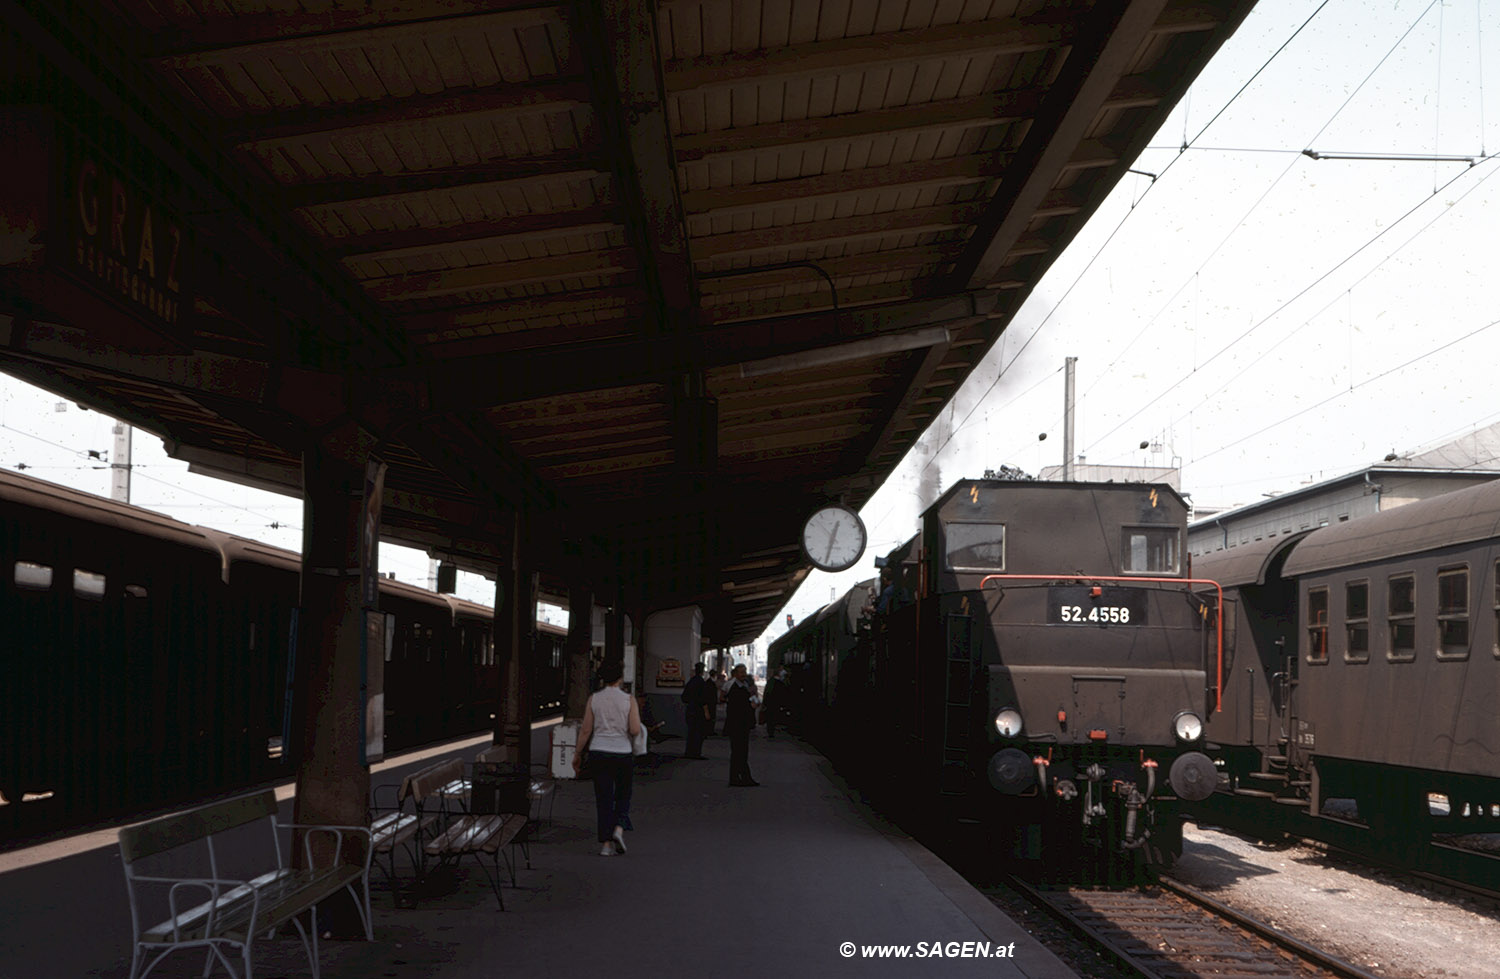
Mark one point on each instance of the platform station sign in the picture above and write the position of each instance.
(89, 237)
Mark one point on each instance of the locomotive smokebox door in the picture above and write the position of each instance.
(1098, 705)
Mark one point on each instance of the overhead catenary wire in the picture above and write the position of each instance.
(1156, 399)
(1254, 206)
(1341, 393)
(1349, 290)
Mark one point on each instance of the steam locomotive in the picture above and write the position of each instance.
(1035, 659)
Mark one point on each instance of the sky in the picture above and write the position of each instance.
(1260, 318)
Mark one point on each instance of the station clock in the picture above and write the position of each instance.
(833, 538)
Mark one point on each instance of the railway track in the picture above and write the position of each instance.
(1167, 930)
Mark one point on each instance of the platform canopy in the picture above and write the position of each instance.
(663, 276)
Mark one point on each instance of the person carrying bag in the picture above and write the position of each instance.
(611, 720)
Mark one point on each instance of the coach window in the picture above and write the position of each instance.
(1401, 617)
(1496, 647)
(1150, 550)
(88, 585)
(975, 546)
(1453, 613)
(33, 577)
(1357, 621)
(1317, 625)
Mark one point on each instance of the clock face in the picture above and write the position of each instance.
(833, 538)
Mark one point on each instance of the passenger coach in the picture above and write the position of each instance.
(1365, 665)
(146, 661)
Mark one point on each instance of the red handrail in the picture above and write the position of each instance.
(1219, 615)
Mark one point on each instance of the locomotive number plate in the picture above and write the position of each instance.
(1077, 605)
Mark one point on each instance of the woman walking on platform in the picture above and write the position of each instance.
(610, 720)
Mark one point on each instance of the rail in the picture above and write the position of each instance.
(1136, 579)
(1146, 932)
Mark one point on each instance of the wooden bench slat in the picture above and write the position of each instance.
(473, 834)
(393, 829)
(170, 832)
(286, 899)
(191, 921)
(283, 895)
(463, 835)
(430, 781)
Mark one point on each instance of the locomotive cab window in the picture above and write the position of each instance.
(1150, 550)
(1401, 617)
(1453, 613)
(975, 546)
(33, 577)
(1357, 621)
(1317, 625)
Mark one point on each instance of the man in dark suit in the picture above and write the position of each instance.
(740, 698)
(699, 699)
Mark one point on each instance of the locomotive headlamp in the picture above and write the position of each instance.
(1008, 722)
(1187, 726)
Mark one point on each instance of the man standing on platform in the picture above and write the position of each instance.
(699, 699)
(740, 698)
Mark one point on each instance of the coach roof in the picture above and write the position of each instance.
(1459, 517)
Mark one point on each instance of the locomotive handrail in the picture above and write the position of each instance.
(1075, 576)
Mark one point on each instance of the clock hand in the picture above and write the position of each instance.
(833, 535)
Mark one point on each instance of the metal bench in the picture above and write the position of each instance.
(480, 821)
(393, 827)
(541, 790)
(207, 909)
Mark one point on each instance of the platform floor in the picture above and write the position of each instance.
(718, 881)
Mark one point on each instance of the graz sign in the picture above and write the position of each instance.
(78, 216)
(124, 242)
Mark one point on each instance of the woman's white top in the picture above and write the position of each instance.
(611, 721)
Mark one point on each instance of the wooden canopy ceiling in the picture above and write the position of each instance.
(664, 275)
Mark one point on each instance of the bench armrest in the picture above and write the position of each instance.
(218, 891)
(388, 797)
(337, 832)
